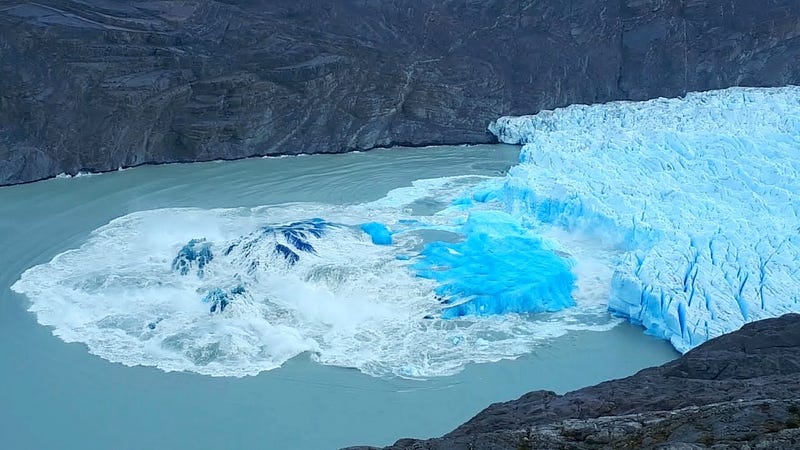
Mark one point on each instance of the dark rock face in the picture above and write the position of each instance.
(739, 389)
(762, 424)
(99, 84)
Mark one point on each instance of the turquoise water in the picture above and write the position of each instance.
(58, 395)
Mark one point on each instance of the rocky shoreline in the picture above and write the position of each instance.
(740, 390)
(95, 85)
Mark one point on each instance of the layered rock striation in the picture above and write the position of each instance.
(101, 84)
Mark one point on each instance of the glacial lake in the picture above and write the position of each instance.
(59, 395)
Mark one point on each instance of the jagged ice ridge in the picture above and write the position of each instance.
(701, 193)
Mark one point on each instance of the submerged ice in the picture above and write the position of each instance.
(702, 195)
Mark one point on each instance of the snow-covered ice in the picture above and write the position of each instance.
(702, 194)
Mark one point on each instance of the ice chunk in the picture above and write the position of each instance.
(345, 300)
(285, 241)
(702, 194)
(499, 268)
(378, 232)
(196, 251)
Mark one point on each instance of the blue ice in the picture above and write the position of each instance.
(500, 267)
(217, 298)
(220, 299)
(701, 195)
(378, 232)
(286, 241)
(195, 252)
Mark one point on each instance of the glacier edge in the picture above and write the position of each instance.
(702, 194)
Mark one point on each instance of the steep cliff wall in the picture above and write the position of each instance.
(99, 84)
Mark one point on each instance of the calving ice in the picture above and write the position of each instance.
(701, 194)
(681, 215)
(498, 267)
(234, 292)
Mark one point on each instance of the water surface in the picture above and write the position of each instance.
(57, 395)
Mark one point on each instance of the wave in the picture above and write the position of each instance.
(403, 286)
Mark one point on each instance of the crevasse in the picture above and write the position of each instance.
(701, 193)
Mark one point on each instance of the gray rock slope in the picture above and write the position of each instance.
(740, 390)
(99, 84)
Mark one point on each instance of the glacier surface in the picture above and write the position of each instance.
(701, 195)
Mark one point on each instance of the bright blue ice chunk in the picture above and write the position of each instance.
(196, 252)
(378, 232)
(499, 268)
(701, 195)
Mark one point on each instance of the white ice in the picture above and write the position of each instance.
(702, 194)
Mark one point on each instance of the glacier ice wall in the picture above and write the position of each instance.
(701, 193)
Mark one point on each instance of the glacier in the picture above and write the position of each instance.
(700, 194)
(680, 215)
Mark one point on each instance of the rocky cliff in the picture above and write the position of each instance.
(740, 390)
(99, 84)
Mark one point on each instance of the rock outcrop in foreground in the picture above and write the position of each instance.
(740, 390)
(99, 84)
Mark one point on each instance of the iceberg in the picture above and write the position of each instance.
(378, 232)
(700, 194)
(501, 267)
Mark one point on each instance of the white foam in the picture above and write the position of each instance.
(352, 304)
(81, 174)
